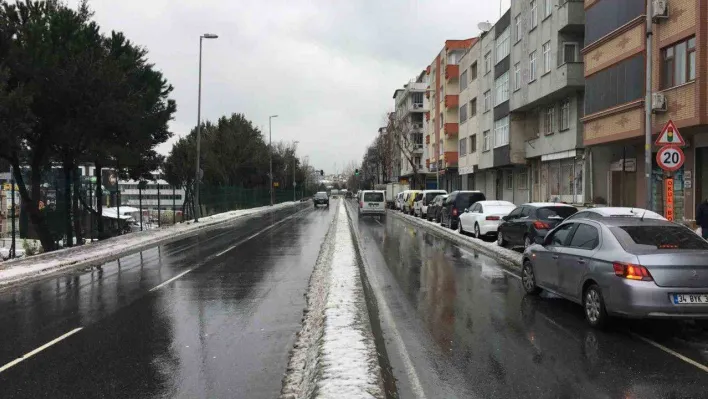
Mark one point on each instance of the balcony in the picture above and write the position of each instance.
(427, 139)
(452, 71)
(452, 101)
(418, 148)
(451, 129)
(571, 16)
(451, 159)
(427, 93)
(427, 116)
(564, 80)
(427, 163)
(417, 107)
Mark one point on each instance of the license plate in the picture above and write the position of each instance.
(373, 204)
(690, 299)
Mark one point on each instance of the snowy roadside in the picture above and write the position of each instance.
(16, 271)
(335, 354)
(508, 256)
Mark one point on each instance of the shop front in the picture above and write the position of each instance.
(559, 177)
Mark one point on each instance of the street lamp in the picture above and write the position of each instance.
(197, 174)
(294, 161)
(270, 150)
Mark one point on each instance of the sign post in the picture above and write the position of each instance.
(670, 158)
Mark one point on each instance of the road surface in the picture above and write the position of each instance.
(458, 325)
(223, 330)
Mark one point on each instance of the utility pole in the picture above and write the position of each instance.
(12, 211)
(174, 205)
(648, 104)
(159, 223)
(270, 148)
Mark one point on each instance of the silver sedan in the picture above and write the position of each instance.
(622, 266)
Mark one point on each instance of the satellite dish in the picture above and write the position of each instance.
(484, 26)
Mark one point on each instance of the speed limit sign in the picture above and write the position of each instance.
(670, 158)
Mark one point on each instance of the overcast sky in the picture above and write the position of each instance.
(328, 68)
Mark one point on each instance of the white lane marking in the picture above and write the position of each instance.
(157, 287)
(671, 352)
(41, 348)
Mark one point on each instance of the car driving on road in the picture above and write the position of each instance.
(372, 203)
(321, 198)
(531, 220)
(483, 218)
(624, 266)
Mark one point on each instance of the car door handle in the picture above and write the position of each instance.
(555, 256)
(581, 261)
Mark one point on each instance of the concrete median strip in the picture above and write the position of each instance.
(335, 354)
(28, 269)
(491, 249)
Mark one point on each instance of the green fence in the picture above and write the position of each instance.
(223, 199)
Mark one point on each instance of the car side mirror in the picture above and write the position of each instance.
(467, 210)
(539, 240)
(505, 218)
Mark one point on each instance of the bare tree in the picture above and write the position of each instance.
(403, 135)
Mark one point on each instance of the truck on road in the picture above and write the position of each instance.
(392, 190)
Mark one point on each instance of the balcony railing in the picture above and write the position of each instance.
(451, 129)
(427, 139)
(451, 158)
(452, 101)
(452, 71)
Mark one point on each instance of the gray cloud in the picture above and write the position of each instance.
(327, 68)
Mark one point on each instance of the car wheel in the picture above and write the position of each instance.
(594, 305)
(500, 239)
(527, 241)
(528, 279)
(477, 233)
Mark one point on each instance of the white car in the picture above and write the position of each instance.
(399, 200)
(483, 217)
(420, 208)
(402, 201)
(372, 203)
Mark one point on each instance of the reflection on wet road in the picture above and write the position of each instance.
(465, 328)
(222, 331)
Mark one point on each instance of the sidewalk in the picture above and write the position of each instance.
(16, 271)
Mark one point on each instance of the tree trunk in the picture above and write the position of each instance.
(32, 206)
(68, 226)
(78, 214)
(99, 199)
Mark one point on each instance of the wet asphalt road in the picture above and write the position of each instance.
(458, 325)
(223, 330)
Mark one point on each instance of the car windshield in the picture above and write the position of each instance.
(467, 199)
(321, 195)
(430, 196)
(373, 197)
(556, 212)
(667, 236)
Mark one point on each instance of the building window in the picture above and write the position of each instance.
(441, 121)
(678, 64)
(463, 80)
(488, 62)
(485, 141)
(517, 28)
(565, 115)
(547, 57)
(570, 52)
(463, 113)
(473, 107)
(548, 119)
(418, 99)
(534, 14)
(532, 66)
(517, 76)
(463, 146)
(473, 71)
(547, 7)
(509, 180)
(522, 181)
(487, 100)
(501, 89)
(503, 45)
(441, 92)
(473, 144)
(501, 132)
(618, 84)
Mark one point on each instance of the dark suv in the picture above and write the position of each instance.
(321, 198)
(455, 204)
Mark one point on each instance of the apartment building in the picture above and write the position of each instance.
(442, 120)
(469, 126)
(408, 128)
(546, 104)
(614, 69)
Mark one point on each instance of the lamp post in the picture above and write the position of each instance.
(197, 173)
(270, 151)
(294, 159)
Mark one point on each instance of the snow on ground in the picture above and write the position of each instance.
(335, 355)
(491, 249)
(14, 271)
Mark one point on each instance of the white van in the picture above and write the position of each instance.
(372, 203)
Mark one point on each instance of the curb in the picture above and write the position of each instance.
(70, 265)
(509, 257)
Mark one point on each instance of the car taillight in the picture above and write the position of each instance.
(541, 225)
(361, 204)
(492, 218)
(632, 272)
(454, 211)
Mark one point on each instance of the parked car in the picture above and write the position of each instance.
(622, 266)
(416, 202)
(528, 221)
(321, 198)
(615, 212)
(420, 208)
(484, 217)
(435, 207)
(399, 200)
(348, 195)
(455, 204)
(373, 203)
(408, 203)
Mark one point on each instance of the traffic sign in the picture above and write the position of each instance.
(670, 135)
(669, 205)
(670, 158)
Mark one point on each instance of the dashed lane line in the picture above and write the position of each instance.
(41, 348)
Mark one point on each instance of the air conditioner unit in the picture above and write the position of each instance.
(417, 105)
(658, 102)
(660, 11)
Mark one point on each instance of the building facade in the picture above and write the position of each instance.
(442, 120)
(469, 125)
(614, 56)
(411, 106)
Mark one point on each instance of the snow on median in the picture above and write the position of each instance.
(14, 271)
(335, 354)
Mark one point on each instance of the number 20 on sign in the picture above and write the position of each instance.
(670, 158)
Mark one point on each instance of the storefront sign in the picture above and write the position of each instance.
(627, 164)
(466, 170)
(669, 199)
